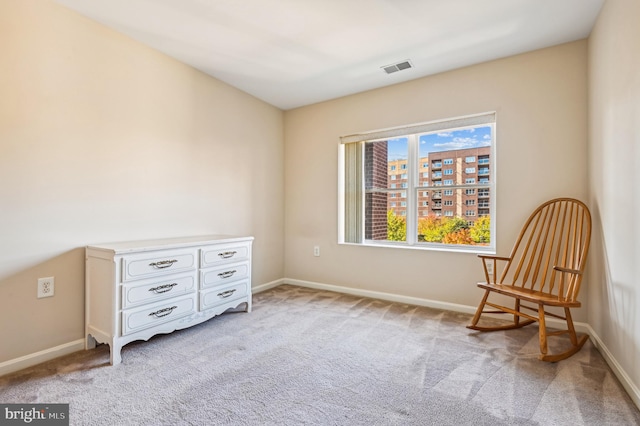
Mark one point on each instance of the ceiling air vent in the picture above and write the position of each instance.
(404, 65)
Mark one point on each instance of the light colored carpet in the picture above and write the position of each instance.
(315, 357)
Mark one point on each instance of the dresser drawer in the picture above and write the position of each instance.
(147, 291)
(216, 255)
(223, 274)
(151, 315)
(158, 263)
(216, 296)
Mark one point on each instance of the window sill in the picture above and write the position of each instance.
(424, 247)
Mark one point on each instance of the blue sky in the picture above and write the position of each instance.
(444, 141)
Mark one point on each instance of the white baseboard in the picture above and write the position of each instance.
(625, 380)
(40, 357)
(580, 326)
(627, 383)
(267, 286)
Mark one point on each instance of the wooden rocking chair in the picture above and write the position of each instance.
(545, 268)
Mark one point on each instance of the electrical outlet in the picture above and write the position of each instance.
(490, 268)
(46, 287)
(316, 251)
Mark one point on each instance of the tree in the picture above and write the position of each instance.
(458, 237)
(481, 230)
(429, 229)
(396, 227)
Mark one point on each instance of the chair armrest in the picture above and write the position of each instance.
(486, 257)
(567, 270)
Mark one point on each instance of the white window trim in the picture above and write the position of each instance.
(451, 124)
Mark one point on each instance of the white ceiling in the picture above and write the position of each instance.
(291, 53)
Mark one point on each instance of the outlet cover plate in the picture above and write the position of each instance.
(46, 287)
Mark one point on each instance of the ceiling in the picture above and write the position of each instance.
(291, 53)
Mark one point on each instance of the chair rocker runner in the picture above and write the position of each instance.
(544, 270)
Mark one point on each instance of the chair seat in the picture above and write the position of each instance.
(522, 293)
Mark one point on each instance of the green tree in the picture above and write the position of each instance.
(429, 229)
(396, 227)
(481, 230)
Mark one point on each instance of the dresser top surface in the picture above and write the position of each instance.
(163, 243)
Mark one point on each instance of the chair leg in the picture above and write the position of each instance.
(543, 331)
(516, 318)
(476, 317)
(572, 330)
(576, 343)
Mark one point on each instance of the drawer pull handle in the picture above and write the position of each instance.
(163, 288)
(227, 254)
(163, 264)
(227, 274)
(227, 293)
(163, 312)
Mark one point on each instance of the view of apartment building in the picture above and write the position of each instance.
(468, 167)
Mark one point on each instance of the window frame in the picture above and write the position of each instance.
(413, 170)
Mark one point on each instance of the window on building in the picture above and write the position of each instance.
(470, 170)
(470, 202)
(470, 213)
(366, 188)
(393, 167)
(393, 177)
(470, 159)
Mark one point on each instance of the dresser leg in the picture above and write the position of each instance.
(90, 342)
(115, 357)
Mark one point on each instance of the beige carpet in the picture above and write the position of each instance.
(314, 357)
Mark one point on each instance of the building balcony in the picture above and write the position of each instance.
(436, 165)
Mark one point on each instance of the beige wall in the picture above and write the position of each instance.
(614, 165)
(103, 139)
(541, 104)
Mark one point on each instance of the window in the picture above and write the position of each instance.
(470, 213)
(470, 159)
(404, 176)
(366, 186)
(470, 170)
(393, 185)
(393, 167)
(470, 203)
(393, 177)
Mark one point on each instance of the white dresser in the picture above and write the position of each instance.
(137, 289)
